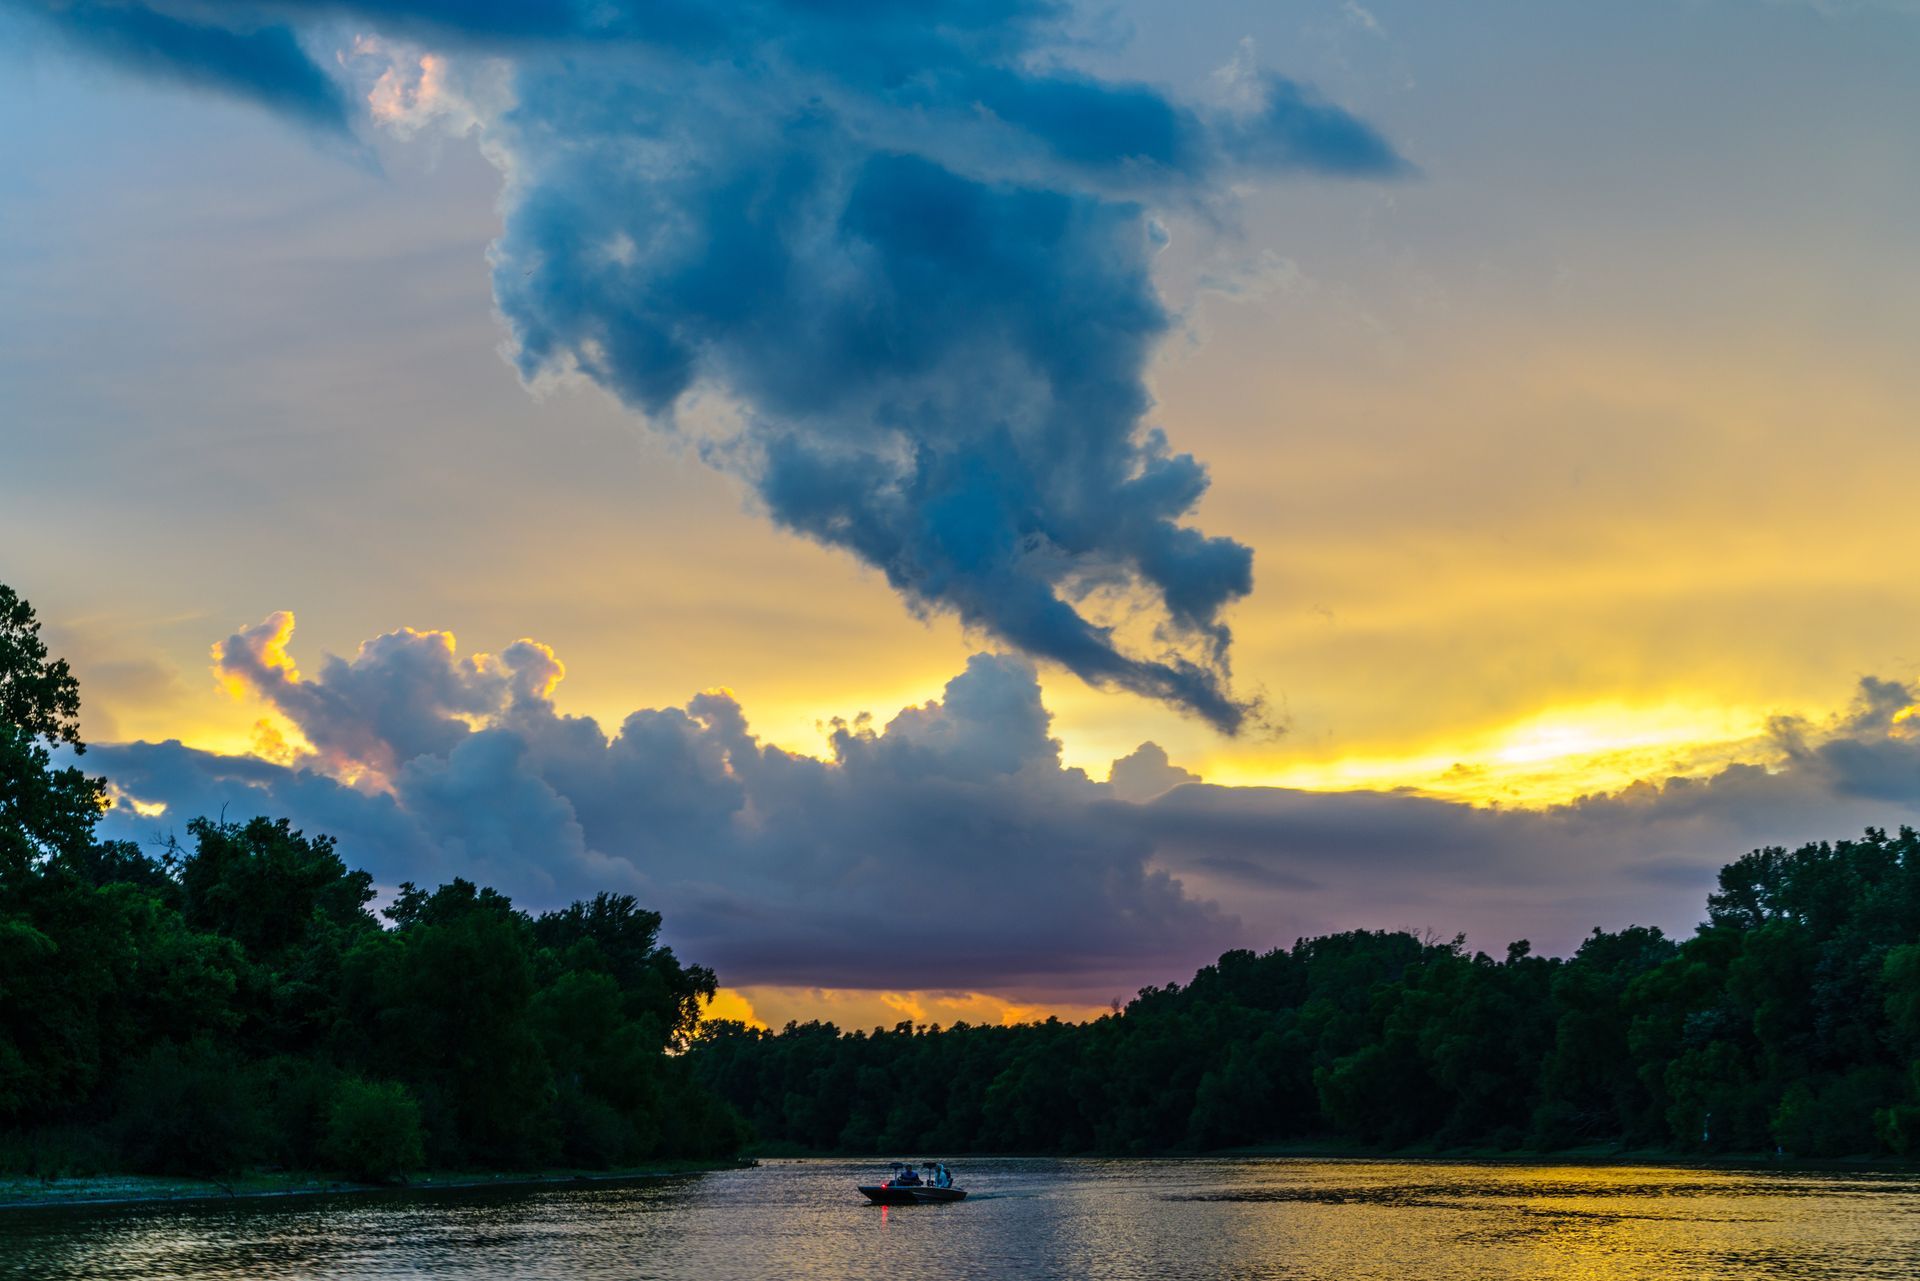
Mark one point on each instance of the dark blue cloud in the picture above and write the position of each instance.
(1872, 752)
(1290, 130)
(907, 256)
(936, 370)
(261, 63)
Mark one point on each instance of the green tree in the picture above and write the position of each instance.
(373, 1131)
(196, 1108)
(234, 1001)
(263, 884)
(45, 813)
(443, 1002)
(1591, 1089)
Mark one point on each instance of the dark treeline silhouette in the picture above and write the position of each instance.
(232, 1002)
(1790, 1021)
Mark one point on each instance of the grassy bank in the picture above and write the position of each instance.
(103, 1190)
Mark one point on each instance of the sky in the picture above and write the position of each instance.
(973, 509)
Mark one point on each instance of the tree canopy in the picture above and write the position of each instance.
(232, 1000)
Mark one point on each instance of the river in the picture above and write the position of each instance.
(1303, 1219)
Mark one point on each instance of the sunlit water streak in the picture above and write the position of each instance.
(1298, 1219)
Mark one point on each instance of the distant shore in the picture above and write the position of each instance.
(24, 1193)
(104, 1191)
(1597, 1155)
(1588, 1156)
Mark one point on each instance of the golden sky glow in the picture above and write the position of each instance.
(775, 1007)
(1553, 756)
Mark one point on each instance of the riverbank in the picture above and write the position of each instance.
(1597, 1155)
(18, 1192)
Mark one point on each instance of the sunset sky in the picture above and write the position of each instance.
(725, 374)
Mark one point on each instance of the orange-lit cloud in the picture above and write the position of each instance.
(256, 659)
(355, 719)
(413, 88)
(276, 739)
(118, 796)
(394, 100)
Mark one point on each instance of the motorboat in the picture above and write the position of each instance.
(906, 1186)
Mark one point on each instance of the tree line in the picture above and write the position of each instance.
(1789, 1023)
(230, 1001)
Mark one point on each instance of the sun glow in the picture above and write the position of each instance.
(118, 796)
(1551, 757)
(850, 1009)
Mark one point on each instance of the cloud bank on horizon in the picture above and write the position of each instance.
(889, 263)
(951, 848)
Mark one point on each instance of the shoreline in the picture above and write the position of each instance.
(19, 1193)
(22, 1193)
(1576, 1157)
(1570, 1157)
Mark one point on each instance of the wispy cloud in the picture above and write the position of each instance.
(257, 59)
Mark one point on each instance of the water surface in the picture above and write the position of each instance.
(1280, 1218)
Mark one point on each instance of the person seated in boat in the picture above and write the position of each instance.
(907, 1178)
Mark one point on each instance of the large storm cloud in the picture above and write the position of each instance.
(951, 847)
(889, 263)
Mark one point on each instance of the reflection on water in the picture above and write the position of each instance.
(1298, 1219)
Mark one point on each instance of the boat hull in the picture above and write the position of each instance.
(885, 1195)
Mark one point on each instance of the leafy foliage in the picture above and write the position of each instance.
(43, 811)
(39, 698)
(234, 1001)
(373, 1131)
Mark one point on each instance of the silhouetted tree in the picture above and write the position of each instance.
(232, 1000)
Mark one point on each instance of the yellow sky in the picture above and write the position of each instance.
(1508, 617)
